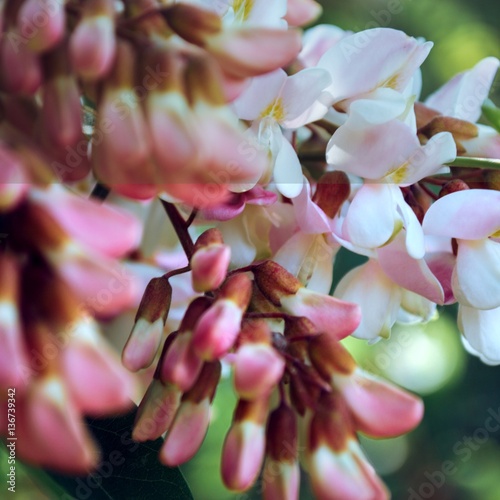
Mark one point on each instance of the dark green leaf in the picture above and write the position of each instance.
(128, 470)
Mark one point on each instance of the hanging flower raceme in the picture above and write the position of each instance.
(313, 373)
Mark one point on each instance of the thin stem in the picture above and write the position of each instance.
(175, 272)
(466, 162)
(180, 228)
(435, 181)
(433, 195)
(192, 217)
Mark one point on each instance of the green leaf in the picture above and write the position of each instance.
(127, 469)
(492, 113)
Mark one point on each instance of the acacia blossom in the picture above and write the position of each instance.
(228, 160)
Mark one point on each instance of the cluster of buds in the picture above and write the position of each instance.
(56, 273)
(298, 388)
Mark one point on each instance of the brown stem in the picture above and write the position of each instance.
(175, 272)
(192, 217)
(433, 195)
(180, 226)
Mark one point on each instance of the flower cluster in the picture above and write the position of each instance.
(266, 150)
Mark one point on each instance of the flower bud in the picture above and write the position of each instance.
(281, 474)
(257, 366)
(330, 357)
(65, 443)
(21, 69)
(192, 23)
(244, 446)
(218, 327)
(93, 42)
(210, 261)
(452, 187)
(42, 23)
(144, 340)
(337, 468)
(192, 418)
(61, 111)
(122, 158)
(171, 121)
(180, 364)
(379, 408)
(332, 191)
(156, 411)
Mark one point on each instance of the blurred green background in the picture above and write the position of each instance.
(460, 392)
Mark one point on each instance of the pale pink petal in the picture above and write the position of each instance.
(92, 43)
(98, 382)
(102, 228)
(217, 330)
(288, 171)
(430, 158)
(310, 218)
(410, 273)
(481, 332)
(371, 152)
(41, 24)
(317, 40)
(64, 443)
(257, 370)
(142, 345)
(463, 96)
(280, 480)
(329, 315)
(187, 433)
(261, 92)
(242, 455)
(309, 259)
(485, 145)
(299, 93)
(470, 214)
(244, 51)
(378, 297)
(343, 476)
(301, 12)
(380, 409)
(381, 57)
(380, 106)
(415, 241)
(181, 365)
(442, 264)
(372, 217)
(476, 279)
(102, 284)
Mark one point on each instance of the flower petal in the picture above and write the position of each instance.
(476, 279)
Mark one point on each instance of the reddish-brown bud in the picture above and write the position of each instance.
(332, 190)
(452, 187)
(282, 434)
(329, 356)
(192, 23)
(275, 281)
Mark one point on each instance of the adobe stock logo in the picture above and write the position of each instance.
(464, 450)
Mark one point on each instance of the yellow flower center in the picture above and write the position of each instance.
(242, 9)
(274, 110)
(399, 174)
